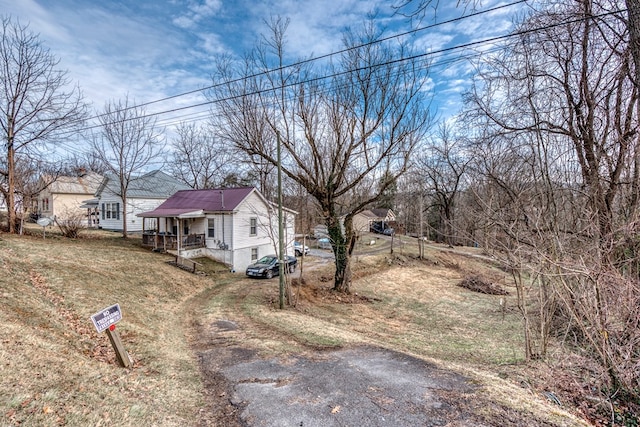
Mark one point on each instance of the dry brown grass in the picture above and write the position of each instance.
(402, 304)
(57, 370)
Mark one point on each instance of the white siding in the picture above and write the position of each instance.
(233, 229)
(253, 207)
(242, 257)
(223, 226)
(134, 207)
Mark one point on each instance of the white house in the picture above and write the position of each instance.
(235, 226)
(144, 193)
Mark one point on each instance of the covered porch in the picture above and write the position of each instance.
(172, 229)
(168, 241)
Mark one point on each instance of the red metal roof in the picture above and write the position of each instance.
(212, 200)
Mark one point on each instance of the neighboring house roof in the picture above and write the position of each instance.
(194, 203)
(85, 184)
(379, 214)
(152, 185)
(90, 204)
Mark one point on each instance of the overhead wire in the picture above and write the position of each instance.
(205, 113)
(391, 62)
(317, 58)
(493, 41)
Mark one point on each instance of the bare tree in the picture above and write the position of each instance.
(418, 10)
(200, 159)
(560, 161)
(340, 132)
(128, 142)
(442, 165)
(36, 108)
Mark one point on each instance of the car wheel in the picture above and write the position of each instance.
(269, 274)
(292, 268)
(298, 253)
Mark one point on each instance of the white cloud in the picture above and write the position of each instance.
(196, 12)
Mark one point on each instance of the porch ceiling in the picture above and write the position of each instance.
(173, 213)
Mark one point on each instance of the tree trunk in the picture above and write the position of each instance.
(343, 244)
(124, 218)
(11, 203)
(123, 196)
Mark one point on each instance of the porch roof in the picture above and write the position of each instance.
(173, 213)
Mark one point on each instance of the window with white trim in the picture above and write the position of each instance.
(254, 254)
(253, 226)
(211, 227)
(111, 211)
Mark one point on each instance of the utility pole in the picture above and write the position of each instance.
(280, 227)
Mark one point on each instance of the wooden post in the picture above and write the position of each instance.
(121, 354)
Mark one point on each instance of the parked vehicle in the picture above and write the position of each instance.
(299, 250)
(324, 243)
(381, 228)
(268, 266)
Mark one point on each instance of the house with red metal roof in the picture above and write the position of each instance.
(235, 226)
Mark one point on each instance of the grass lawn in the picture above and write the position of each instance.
(55, 369)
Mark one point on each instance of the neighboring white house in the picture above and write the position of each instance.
(144, 193)
(235, 226)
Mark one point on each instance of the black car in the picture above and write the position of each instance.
(268, 266)
(381, 228)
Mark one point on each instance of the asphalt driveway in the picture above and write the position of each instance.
(364, 386)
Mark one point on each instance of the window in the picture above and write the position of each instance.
(211, 228)
(111, 211)
(254, 254)
(253, 226)
(45, 204)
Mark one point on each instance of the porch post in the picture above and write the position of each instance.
(164, 236)
(179, 235)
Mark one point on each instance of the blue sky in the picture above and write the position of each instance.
(151, 49)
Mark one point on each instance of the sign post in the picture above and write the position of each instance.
(105, 320)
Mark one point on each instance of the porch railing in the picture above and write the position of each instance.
(170, 241)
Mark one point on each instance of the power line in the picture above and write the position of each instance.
(444, 61)
(317, 58)
(391, 62)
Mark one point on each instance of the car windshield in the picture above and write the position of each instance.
(266, 260)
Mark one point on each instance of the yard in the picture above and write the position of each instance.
(57, 370)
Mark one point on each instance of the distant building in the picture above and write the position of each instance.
(62, 197)
(365, 220)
